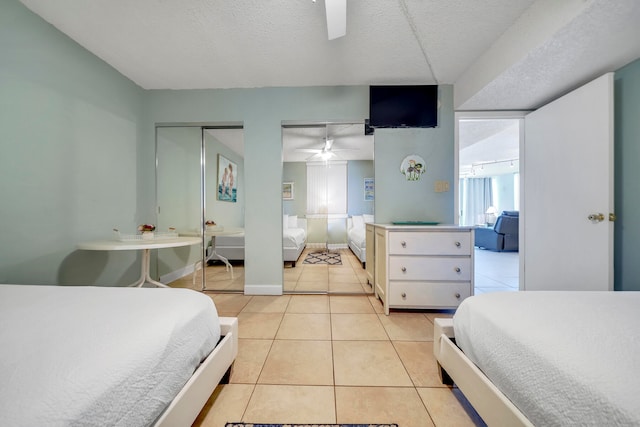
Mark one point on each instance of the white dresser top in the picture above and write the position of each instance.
(439, 227)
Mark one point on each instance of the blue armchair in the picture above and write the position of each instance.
(503, 236)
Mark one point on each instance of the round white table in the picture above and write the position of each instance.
(145, 246)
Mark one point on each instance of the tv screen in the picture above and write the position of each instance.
(403, 106)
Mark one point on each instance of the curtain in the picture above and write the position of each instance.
(326, 188)
(326, 198)
(476, 196)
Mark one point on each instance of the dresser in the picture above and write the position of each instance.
(418, 267)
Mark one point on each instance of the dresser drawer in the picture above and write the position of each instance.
(429, 243)
(429, 268)
(426, 294)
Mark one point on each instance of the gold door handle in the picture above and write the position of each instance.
(596, 217)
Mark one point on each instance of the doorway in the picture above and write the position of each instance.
(488, 189)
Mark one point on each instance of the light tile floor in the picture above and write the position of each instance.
(333, 359)
(346, 278)
(338, 358)
(496, 271)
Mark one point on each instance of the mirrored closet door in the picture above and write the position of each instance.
(326, 167)
(200, 192)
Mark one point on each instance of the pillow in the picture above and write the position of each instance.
(285, 222)
(367, 218)
(358, 221)
(293, 221)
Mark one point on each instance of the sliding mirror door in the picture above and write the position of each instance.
(178, 186)
(326, 167)
(224, 208)
(200, 179)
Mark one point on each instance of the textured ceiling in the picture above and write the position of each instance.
(498, 54)
(191, 44)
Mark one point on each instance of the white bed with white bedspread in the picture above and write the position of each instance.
(356, 235)
(108, 356)
(294, 240)
(560, 358)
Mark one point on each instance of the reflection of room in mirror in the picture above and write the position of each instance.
(331, 165)
(180, 173)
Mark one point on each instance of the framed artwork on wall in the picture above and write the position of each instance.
(287, 191)
(227, 180)
(369, 189)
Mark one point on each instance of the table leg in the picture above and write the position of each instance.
(145, 275)
(220, 257)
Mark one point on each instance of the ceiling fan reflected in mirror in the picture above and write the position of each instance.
(326, 152)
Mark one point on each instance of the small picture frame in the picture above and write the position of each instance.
(369, 189)
(287, 191)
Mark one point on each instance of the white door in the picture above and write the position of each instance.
(568, 176)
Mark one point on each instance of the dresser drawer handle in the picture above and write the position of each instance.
(457, 269)
(404, 269)
(404, 295)
(403, 244)
(458, 244)
(457, 295)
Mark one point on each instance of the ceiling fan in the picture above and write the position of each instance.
(326, 152)
(336, 11)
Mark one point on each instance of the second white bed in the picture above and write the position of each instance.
(563, 358)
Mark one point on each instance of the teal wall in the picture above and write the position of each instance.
(627, 178)
(77, 144)
(357, 171)
(295, 172)
(227, 214)
(69, 156)
(400, 200)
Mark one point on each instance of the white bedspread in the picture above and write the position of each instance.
(357, 235)
(293, 237)
(91, 356)
(563, 358)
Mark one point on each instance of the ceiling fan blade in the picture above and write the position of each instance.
(308, 150)
(336, 18)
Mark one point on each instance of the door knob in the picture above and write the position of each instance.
(596, 217)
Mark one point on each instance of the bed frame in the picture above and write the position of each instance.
(185, 407)
(455, 367)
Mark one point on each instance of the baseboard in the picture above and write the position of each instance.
(327, 245)
(334, 246)
(177, 274)
(262, 289)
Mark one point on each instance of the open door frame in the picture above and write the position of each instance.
(488, 115)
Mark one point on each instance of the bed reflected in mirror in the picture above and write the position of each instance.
(327, 195)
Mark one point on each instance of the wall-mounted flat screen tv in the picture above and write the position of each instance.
(403, 106)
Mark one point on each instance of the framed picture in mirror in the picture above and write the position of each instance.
(287, 191)
(227, 180)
